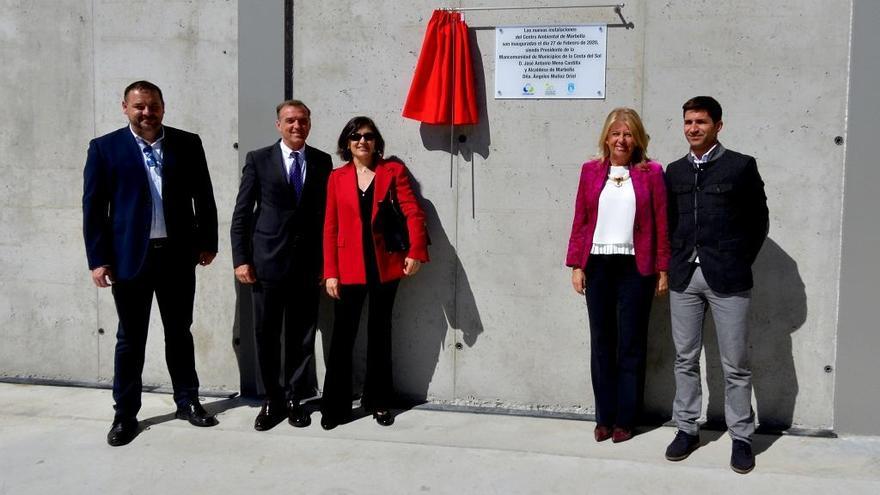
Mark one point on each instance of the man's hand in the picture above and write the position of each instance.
(206, 257)
(332, 285)
(245, 274)
(103, 276)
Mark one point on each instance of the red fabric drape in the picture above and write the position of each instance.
(442, 90)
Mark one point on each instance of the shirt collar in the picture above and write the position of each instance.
(714, 152)
(143, 142)
(285, 150)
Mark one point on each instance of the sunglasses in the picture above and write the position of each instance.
(356, 136)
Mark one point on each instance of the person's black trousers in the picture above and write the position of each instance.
(378, 385)
(619, 306)
(171, 276)
(285, 316)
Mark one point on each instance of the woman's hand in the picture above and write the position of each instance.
(411, 266)
(662, 284)
(332, 285)
(578, 280)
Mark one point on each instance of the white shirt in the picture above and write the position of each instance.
(288, 160)
(705, 158)
(157, 223)
(616, 215)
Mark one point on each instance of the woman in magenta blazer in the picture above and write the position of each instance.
(357, 264)
(619, 255)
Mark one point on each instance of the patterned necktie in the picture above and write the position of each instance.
(296, 176)
(152, 161)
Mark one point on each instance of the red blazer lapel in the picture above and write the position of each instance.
(382, 183)
(346, 184)
(599, 177)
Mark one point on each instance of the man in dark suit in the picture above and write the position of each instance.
(718, 221)
(148, 218)
(276, 247)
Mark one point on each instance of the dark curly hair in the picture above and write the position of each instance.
(352, 126)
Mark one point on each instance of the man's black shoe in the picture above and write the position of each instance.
(271, 414)
(741, 458)
(682, 446)
(122, 432)
(297, 416)
(195, 414)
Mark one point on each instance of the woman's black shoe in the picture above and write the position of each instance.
(328, 423)
(384, 418)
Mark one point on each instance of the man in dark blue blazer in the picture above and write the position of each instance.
(148, 218)
(276, 237)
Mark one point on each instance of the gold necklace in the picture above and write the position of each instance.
(619, 180)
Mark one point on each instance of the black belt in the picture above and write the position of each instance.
(159, 243)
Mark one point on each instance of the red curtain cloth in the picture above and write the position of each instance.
(442, 90)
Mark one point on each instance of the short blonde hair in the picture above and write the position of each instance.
(632, 120)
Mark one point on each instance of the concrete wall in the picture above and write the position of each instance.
(492, 319)
(65, 66)
(497, 286)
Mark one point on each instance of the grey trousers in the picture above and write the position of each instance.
(729, 311)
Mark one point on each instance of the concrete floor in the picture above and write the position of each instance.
(52, 440)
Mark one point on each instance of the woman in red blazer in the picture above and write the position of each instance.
(357, 264)
(619, 255)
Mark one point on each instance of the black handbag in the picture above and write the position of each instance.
(391, 222)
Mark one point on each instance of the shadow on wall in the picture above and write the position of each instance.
(659, 376)
(427, 306)
(478, 136)
(778, 309)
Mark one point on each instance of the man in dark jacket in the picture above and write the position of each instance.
(276, 234)
(148, 218)
(718, 221)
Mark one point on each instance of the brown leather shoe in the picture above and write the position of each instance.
(602, 433)
(621, 434)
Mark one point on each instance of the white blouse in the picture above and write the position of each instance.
(616, 215)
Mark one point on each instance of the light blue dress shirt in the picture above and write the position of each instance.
(157, 225)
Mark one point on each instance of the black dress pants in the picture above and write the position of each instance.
(171, 276)
(285, 316)
(378, 386)
(619, 305)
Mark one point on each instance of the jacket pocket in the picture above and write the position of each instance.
(718, 188)
(681, 188)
